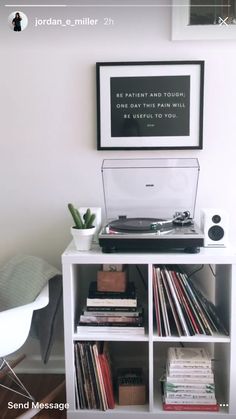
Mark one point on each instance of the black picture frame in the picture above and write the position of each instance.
(150, 105)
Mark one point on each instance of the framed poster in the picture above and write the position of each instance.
(150, 105)
(193, 20)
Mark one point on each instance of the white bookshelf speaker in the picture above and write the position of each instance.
(215, 226)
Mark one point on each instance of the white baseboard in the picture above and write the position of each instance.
(34, 365)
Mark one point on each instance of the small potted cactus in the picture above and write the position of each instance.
(83, 229)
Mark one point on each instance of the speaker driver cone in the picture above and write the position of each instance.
(216, 233)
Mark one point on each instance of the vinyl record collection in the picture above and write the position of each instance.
(180, 307)
(189, 382)
(93, 377)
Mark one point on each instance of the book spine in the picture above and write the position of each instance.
(196, 373)
(109, 294)
(188, 392)
(112, 324)
(191, 407)
(109, 319)
(190, 364)
(114, 313)
(189, 375)
(111, 308)
(104, 302)
(190, 396)
(191, 401)
(111, 329)
(189, 387)
(189, 380)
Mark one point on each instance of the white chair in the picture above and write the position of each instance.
(14, 329)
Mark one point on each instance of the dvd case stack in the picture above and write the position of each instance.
(180, 307)
(113, 312)
(189, 383)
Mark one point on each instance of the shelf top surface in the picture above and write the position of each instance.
(95, 255)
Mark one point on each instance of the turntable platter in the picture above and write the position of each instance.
(134, 224)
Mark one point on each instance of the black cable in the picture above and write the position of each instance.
(195, 271)
(141, 276)
(199, 269)
(213, 273)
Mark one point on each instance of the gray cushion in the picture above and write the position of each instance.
(22, 279)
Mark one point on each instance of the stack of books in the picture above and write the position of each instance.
(189, 382)
(180, 307)
(112, 312)
(93, 376)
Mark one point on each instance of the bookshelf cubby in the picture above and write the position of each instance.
(216, 277)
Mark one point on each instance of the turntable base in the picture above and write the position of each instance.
(149, 246)
(139, 235)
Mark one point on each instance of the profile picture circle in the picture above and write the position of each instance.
(17, 21)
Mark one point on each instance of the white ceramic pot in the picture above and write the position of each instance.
(83, 237)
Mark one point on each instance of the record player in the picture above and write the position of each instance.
(150, 205)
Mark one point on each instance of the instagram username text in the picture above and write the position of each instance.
(83, 21)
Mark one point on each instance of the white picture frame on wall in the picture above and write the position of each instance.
(182, 30)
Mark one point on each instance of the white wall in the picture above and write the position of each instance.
(48, 153)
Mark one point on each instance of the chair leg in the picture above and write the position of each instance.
(6, 367)
(47, 399)
(4, 370)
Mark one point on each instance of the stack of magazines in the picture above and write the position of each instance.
(180, 307)
(189, 382)
(112, 312)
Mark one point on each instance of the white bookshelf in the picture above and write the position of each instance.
(149, 351)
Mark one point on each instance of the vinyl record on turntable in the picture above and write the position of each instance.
(133, 224)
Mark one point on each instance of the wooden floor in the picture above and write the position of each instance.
(39, 386)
